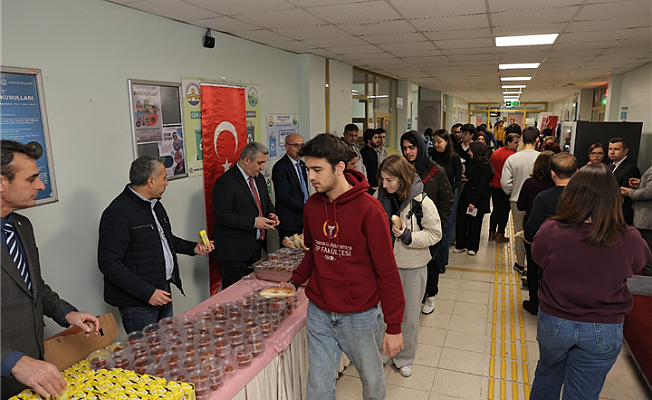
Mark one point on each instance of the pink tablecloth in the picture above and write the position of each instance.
(275, 344)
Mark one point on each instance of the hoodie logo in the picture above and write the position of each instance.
(331, 231)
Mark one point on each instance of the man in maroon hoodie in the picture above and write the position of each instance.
(348, 278)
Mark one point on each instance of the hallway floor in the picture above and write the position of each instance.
(479, 343)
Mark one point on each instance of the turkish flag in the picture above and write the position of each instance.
(224, 135)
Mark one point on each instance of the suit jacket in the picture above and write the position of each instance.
(288, 193)
(627, 169)
(235, 214)
(22, 309)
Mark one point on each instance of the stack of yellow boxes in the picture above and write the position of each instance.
(85, 384)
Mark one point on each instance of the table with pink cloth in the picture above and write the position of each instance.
(281, 371)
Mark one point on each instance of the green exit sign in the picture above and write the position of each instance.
(513, 103)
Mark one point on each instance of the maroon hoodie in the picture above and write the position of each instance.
(350, 262)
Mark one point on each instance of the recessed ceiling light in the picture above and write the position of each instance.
(508, 93)
(516, 78)
(519, 66)
(510, 97)
(513, 86)
(526, 40)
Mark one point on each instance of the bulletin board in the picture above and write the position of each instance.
(157, 125)
(24, 120)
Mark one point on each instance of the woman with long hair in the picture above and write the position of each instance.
(474, 200)
(401, 194)
(539, 181)
(445, 156)
(587, 252)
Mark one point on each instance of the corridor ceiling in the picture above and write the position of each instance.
(444, 45)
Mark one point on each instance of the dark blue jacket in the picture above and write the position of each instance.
(288, 194)
(130, 254)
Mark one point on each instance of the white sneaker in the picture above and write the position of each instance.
(471, 252)
(427, 308)
(405, 370)
(456, 250)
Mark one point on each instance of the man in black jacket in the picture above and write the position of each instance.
(370, 157)
(137, 251)
(623, 169)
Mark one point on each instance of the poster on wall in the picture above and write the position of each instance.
(171, 149)
(279, 126)
(429, 115)
(148, 124)
(24, 120)
(191, 105)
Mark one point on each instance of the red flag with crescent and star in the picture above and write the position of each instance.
(224, 135)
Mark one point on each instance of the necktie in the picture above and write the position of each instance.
(260, 207)
(14, 252)
(613, 167)
(303, 182)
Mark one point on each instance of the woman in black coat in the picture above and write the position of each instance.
(474, 199)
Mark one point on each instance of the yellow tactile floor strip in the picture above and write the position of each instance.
(507, 331)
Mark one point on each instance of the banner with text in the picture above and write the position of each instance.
(279, 126)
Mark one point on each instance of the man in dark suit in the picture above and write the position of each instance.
(623, 169)
(243, 214)
(26, 298)
(290, 188)
(370, 157)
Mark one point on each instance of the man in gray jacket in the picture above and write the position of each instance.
(25, 297)
(641, 193)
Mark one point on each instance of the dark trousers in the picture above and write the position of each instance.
(647, 236)
(533, 276)
(432, 284)
(500, 213)
(282, 235)
(468, 229)
(135, 318)
(233, 271)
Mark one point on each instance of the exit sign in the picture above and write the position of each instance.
(513, 103)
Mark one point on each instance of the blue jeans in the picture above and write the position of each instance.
(136, 318)
(578, 355)
(359, 336)
(442, 256)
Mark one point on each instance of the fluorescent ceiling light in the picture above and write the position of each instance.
(519, 66)
(526, 40)
(515, 78)
(508, 93)
(511, 97)
(513, 86)
(378, 97)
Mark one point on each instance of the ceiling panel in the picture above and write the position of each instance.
(464, 43)
(377, 28)
(615, 23)
(173, 9)
(419, 53)
(413, 46)
(337, 42)
(393, 38)
(511, 5)
(265, 36)
(281, 19)
(294, 46)
(312, 32)
(596, 36)
(528, 29)
(448, 23)
(349, 13)
(365, 49)
(550, 16)
(225, 24)
(429, 8)
(459, 34)
(623, 9)
(230, 7)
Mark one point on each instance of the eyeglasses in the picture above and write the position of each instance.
(597, 153)
(295, 145)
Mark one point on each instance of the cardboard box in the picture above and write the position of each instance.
(70, 346)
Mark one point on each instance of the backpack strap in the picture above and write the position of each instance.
(432, 173)
(417, 209)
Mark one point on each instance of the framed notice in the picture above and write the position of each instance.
(157, 124)
(23, 119)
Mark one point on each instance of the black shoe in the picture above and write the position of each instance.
(442, 269)
(530, 307)
(519, 269)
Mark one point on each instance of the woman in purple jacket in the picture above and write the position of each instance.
(587, 253)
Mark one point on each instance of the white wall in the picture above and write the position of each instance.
(635, 93)
(341, 111)
(87, 49)
(563, 108)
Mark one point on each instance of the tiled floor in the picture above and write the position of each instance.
(461, 353)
